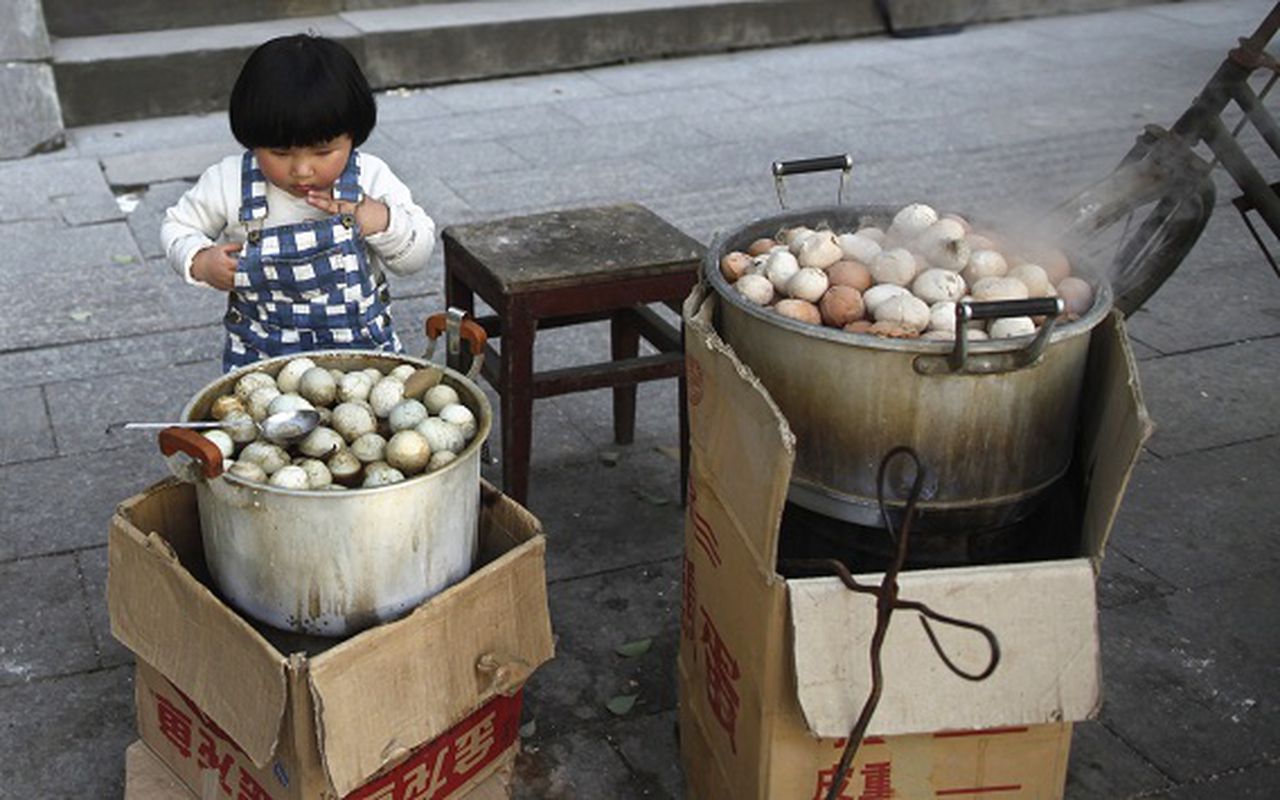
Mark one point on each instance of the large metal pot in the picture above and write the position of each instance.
(334, 562)
(993, 422)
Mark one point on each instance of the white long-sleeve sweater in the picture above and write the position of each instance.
(210, 211)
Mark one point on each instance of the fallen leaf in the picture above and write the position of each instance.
(633, 649)
(528, 729)
(610, 458)
(621, 704)
(80, 315)
(121, 258)
(651, 499)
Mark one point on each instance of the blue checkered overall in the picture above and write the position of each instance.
(305, 286)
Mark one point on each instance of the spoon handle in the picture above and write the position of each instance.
(148, 425)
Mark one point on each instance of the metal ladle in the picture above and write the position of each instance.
(283, 426)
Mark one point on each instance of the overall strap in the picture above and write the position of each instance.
(347, 187)
(253, 189)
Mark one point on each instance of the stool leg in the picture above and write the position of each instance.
(624, 341)
(516, 390)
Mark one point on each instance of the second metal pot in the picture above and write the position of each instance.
(995, 432)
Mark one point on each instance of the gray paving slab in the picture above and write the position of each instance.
(576, 765)
(521, 92)
(67, 736)
(150, 135)
(481, 125)
(603, 142)
(25, 433)
(1224, 291)
(1257, 782)
(1207, 398)
(1194, 519)
(1190, 677)
(172, 163)
(645, 744)
(573, 185)
(595, 616)
(70, 191)
(599, 518)
(1104, 767)
(55, 285)
(44, 627)
(82, 410)
(1124, 580)
(64, 504)
(75, 361)
(92, 562)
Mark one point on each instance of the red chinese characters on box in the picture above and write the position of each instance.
(433, 772)
(193, 735)
(871, 775)
(445, 764)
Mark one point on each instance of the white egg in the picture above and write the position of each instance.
(407, 414)
(409, 452)
(441, 435)
(461, 417)
(291, 374)
(369, 447)
(437, 397)
(289, 477)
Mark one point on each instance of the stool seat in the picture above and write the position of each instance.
(564, 268)
(577, 247)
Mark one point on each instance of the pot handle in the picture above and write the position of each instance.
(961, 361)
(201, 448)
(801, 166)
(456, 327)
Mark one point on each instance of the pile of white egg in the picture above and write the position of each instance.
(375, 429)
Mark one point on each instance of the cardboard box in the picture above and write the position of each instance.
(430, 701)
(147, 778)
(774, 671)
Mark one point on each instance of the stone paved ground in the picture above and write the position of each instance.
(1001, 117)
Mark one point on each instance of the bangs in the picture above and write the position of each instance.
(300, 91)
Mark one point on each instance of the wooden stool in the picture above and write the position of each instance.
(565, 268)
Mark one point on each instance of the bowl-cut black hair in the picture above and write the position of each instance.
(301, 90)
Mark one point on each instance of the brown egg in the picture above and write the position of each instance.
(225, 405)
(761, 246)
(801, 310)
(894, 330)
(1077, 294)
(854, 274)
(840, 305)
(734, 265)
(859, 326)
(1055, 264)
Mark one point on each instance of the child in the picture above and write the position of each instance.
(309, 225)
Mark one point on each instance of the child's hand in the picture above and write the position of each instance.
(216, 266)
(373, 216)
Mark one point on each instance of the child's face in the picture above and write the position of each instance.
(299, 170)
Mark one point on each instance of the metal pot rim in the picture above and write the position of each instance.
(219, 386)
(820, 217)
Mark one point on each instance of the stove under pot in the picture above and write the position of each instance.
(1050, 532)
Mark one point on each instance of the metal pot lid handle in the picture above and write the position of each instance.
(457, 328)
(201, 448)
(801, 166)
(961, 361)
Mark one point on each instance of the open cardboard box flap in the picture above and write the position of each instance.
(210, 653)
(376, 695)
(750, 452)
(1044, 614)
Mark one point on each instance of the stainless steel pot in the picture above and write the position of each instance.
(993, 422)
(334, 562)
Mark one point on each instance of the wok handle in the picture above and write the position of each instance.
(200, 448)
(801, 166)
(960, 362)
(1036, 307)
(459, 328)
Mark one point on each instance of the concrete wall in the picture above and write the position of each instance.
(30, 117)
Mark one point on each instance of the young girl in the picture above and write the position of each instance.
(309, 225)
